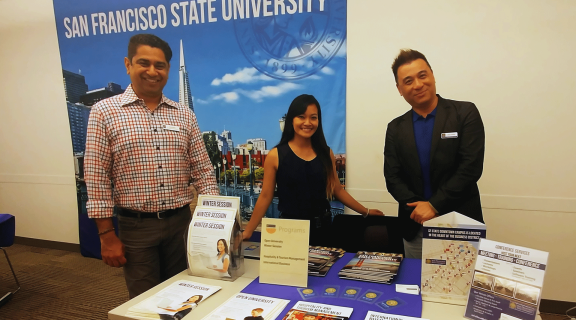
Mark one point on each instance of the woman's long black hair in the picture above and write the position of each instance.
(298, 107)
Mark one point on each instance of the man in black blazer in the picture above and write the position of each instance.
(434, 153)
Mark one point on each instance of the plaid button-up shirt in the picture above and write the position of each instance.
(150, 157)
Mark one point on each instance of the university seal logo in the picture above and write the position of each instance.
(293, 46)
(270, 228)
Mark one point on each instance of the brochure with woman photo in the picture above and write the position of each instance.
(210, 248)
(174, 302)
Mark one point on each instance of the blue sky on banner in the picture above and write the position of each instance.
(244, 70)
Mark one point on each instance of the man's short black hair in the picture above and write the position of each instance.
(406, 56)
(148, 40)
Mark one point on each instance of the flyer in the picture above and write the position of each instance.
(248, 306)
(449, 251)
(312, 311)
(176, 300)
(210, 201)
(507, 282)
(372, 266)
(210, 246)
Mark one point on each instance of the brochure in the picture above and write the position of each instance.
(321, 259)
(507, 282)
(219, 202)
(312, 311)
(176, 300)
(211, 247)
(449, 251)
(371, 315)
(372, 267)
(243, 306)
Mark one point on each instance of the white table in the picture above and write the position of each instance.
(430, 310)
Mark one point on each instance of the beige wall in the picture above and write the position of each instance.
(512, 58)
(36, 167)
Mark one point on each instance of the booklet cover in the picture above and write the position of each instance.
(312, 311)
(321, 259)
(507, 282)
(242, 306)
(176, 300)
(449, 251)
(377, 267)
(371, 315)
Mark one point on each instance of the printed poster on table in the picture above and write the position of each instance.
(449, 251)
(507, 282)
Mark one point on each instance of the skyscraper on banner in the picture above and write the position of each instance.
(184, 95)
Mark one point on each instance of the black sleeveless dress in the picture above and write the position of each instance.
(301, 193)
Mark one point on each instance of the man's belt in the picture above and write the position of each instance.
(155, 215)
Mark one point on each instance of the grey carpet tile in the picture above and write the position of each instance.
(59, 284)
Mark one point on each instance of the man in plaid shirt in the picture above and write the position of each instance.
(142, 152)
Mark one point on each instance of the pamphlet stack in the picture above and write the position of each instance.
(321, 259)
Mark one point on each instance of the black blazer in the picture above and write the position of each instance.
(456, 163)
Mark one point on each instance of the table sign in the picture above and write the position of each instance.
(371, 315)
(449, 250)
(507, 282)
(284, 252)
(213, 246)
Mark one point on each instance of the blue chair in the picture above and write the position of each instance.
(7, 233)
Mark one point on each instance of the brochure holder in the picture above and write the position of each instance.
(214, 243)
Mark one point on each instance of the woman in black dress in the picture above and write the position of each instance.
(304, 169)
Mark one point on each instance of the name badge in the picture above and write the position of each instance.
(449, 135)
(171, 128)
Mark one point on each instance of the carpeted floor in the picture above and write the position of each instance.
(65, 285)
(59, 285)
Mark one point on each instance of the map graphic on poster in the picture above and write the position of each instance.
(449, 252)
(237, 64)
